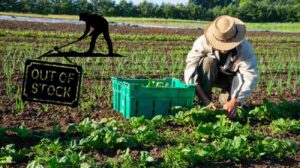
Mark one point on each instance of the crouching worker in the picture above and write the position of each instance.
(100, 25)
(223, 58)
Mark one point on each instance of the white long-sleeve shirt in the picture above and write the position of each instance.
(245, 65)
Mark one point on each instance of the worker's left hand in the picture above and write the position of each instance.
(211, 106)
(231, 108)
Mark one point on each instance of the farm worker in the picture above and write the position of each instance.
(100, 25)
(223, 58)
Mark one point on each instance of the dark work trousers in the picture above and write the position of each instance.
(209, 75)
(95, 35)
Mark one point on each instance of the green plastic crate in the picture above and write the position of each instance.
(132, 98)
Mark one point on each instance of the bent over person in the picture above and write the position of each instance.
(223, 58)
(100, 25)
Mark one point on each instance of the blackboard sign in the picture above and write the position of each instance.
(53, 83)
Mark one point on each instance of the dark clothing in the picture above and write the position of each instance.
(212, 76)
(100, 25)
(226, 60)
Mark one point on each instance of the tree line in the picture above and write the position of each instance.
(247, 10)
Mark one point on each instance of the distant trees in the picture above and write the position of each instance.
(247, 10)
(212, 3)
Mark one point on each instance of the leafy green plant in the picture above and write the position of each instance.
(145, 135)
(9, 154)
(145, 158)
(206, 136)
(224, 128)
(136, 122)
(282, 126)
(271, 111)
(106, 138)
(55, 131)
(273, 148)
(173, 157)
(22, 132)
(236, 149)
(5, 160)
(197, 115)
(84, 128)
(157, 84)
(127, 159)
(157, 121)
(54, 154)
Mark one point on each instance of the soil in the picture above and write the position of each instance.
(39, 118)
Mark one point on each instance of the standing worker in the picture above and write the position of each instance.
(100, 25)
(223, 58)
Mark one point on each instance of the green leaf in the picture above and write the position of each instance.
(5, 160)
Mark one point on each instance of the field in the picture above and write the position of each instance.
(266, 133)
(277, 27)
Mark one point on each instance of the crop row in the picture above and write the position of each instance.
(205, 137)
(148, 56)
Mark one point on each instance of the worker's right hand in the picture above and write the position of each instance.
(231, 108)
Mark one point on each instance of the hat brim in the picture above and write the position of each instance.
(230, 44)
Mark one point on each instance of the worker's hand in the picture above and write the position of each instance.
(231, 108)
(211, 106)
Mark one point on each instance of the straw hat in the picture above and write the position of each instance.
(225, 33)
